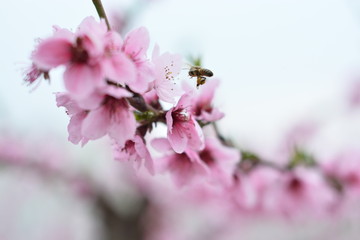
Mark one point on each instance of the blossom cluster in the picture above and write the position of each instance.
(113, 88)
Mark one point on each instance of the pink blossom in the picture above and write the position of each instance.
(80, 52)
(184, 168)
(183, 130)
(91, 55)
(249, 190)
(136, 151)
(203, 102)
(112, 116)
(167, 68)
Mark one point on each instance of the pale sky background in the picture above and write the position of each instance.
(280, 62)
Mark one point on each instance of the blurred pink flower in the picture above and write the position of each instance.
(184, 168)
(346, 169)
(220, 160)
(249, 189)
(300, 192)
(136, 151)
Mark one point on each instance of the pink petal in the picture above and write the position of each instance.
(63, 33)
(145, 75)
(186, 100)
(196, 140)
(64, 100)
(208, 91)
(96, 123)
(167, 91)
(93, 35)
(177, 139)
(122, 126)
(52, 52)
(92, 101)
(183, 170)
(161, 144)
(81, 80)
(214, 115)
(169, 120)
(136, 43)
(120, 69)
(144, 153)
(114, 40)
(74, 127)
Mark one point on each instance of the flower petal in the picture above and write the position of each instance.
(161, 144)
(96, 123)
(74, 127)
(136, 43)
(81, 80)
(177, 139)
(120, 69)
(52, 52)
(122, 126)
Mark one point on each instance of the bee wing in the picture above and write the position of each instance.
(187, 66)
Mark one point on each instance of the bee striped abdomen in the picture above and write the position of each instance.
(206, 72)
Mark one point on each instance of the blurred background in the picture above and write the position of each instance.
(283, 64)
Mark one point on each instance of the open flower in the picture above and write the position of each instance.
(167, 68)
(92, 55)
(80, 52)
(112, 116)
(183, 130)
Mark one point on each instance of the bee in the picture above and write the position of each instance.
(200, 74)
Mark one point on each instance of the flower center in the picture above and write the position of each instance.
(181, 115)
(79, 53)
(295, 184)
(207, 157)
